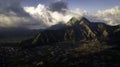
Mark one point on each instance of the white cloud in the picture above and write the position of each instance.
(110, 16)
(42, 17)
(13, 15)
(15, 21)
(42, 13)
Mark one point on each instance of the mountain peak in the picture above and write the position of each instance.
(80, 29)
(77, 21)
(85, 19)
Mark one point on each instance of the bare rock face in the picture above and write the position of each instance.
(77, 29)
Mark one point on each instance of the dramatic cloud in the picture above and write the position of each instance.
(11, 6)
(53, 14)
(41, 16)
(111, 16)
(13, 15)
(58, 6)
(50, 17)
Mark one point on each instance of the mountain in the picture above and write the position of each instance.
(79, 43)
(77, 29)
(16, 34)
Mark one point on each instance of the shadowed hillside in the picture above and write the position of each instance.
(77, 29)
(79, 43)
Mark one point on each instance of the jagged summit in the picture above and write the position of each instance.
(78, 29)
(77, 21)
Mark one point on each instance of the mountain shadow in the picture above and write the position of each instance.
(77, 29)
(79, 43)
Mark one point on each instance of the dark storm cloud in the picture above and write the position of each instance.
(58, 6)
(12, 14)
(17, 9)
(12, 6)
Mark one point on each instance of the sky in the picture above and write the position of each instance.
(36, 14)
(88, 5)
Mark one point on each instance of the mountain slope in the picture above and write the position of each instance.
(78, 43)
(77, 29)
(16, 34)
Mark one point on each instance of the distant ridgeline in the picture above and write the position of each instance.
(77, 29)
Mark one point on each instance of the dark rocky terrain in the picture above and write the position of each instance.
(77, 43)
